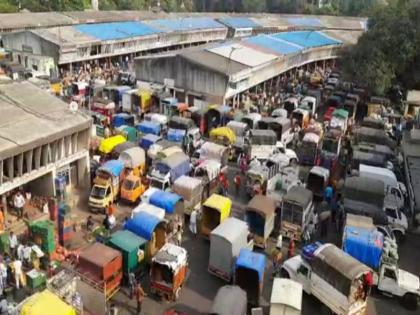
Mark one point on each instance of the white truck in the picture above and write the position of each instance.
(279, 184)
(335, 278)
(369, 246)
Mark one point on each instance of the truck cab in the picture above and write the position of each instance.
(101, 195)
(397, 221)
(132, 188)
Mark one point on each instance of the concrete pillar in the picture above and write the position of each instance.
(1, 172)
(83, 173)
(10, 168)
(28, 160)
(46, 151)
(5, 206)
(323, 65)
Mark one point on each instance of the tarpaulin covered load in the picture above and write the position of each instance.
(149, 139)
(210, 168)
(177, 164)
(311, 137)
(143, 224)
(337, 267)
(46, 303)
(365, 189)
(341, 113)
(107, 145)
(133, 157)
(149, 127)
(172, 256)
(371, 135)
(122, 119)
(122, 147)
(185, 186)
(230, 300)
(213, 151)
(166, 200)
(259, 214)
(239, 128)
(150, 209)
(374, 123)
(263, 205)
(181, 123)
(263, 137)
(368, 158)
(298, 195)
(176, 135)
(112, 167)
(364, 245)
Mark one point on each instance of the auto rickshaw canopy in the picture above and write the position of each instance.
(223, 133)
(219, 203)
(107, 145)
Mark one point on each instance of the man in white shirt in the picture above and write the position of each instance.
(19, 203)
(17, 265)
(13, 243)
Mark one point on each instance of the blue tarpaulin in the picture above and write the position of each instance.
(248, 259)
(149, 127)
(116, 30)
(147, 140)
(114, 167)
(305, 21)
(175, 135)
(165, 200)
(142, 224)
(122, 119)
(277, 46)
(185, 24)
(239, 22)
(307, 39)
(364, 245)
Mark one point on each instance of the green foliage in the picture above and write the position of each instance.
(253, 6)
(389, 53)
(7, 7)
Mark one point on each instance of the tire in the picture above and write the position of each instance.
(409, 301)
(284, 274)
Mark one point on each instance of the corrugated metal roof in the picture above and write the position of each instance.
(214, 62)
(278, 46)
(239, 22)
(117, 30)
(307, 39)
(302, 21)
(185, 24)
(243, 54)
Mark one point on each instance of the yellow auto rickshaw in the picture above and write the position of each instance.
(223, 136)
(108, 144)
(213, 212)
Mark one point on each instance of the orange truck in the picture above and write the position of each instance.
(134, 167)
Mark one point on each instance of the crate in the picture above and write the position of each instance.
(36, 279)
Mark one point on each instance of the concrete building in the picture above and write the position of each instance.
(220, 73)
(40, 138)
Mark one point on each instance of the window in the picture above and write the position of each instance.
(108, 191)
(389, 273)
(391, 213)
(303, 270)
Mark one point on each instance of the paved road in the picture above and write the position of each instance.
(201, 287)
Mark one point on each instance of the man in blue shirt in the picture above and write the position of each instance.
(328, 194)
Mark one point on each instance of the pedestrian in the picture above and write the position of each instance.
(139, 295)
(277, 259)
(193, 222)
(3, 273)
(243, 164)
(179, 235)
(237, 180)
(328, 194)
(132, 283)
(17, 266)
(291, 248)
(113, 310)
(19, 204)
(13, 244)
(89, 223)
(106, 222)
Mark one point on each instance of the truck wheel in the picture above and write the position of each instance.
(409, 301)
(284, 274)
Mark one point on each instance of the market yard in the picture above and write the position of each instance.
(203, 164)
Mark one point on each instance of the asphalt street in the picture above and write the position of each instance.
(201, 287)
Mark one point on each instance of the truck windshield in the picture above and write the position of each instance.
(157, 184)
(98, 192)
(292, 213)
(128, 185)
(330, 145)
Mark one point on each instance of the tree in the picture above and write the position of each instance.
(389, 52)
(253, 6)
(7, 7)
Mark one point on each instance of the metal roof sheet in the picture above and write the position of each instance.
(185, 24)
(243, 54)
(239, 22)
(278, 46)
(117, 30)
(307, 39)
(303, 21)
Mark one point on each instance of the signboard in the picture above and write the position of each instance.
(169, 82)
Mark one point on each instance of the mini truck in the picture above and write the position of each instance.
(368, 246)
(106, 185)
(335, 278)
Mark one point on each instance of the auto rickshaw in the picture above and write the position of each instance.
(301, 117)
(128, 132)
(214, 211)
(197, 115)
(168, 105)
(317, 181)
(230, 300)
(216, 115)
(107, 145)
(286, 297)
(223, 136)
(249, 274)
(290, 105)
(252, 120)
(260, 214)
(168, 271)
(308, 150)
(118, 149)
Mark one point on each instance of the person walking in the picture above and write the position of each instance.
(19, 204)
(179, 235)
(237, 180)
(132, 283)
(17, 266)
(139, 295)
(291, 248)
(13, 244)
(328, 194)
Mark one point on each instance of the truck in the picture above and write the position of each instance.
(332, 276)
(167, 170)
(366, 196)
(106, 185)
(372, 248)
(281, 183)
(191, 190)
(411, 153)
(297, 212)
(208, 172)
